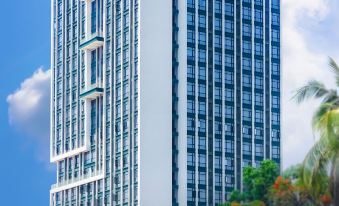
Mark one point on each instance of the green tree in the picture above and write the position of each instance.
(293, 173)
(257, 181)
(323, 158)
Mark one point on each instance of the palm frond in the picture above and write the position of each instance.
(315, 167)
(335, 69)
(321, 116)
(313, 89)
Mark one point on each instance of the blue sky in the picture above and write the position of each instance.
(309, 34)
(25, 46)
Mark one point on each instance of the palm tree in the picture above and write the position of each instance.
(323, 158)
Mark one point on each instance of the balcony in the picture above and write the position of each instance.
(69, 154)
(83, 179)
(92, 91)
(92, 41)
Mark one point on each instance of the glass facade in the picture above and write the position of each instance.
(233, 94)
(226, 79)
(95, 102)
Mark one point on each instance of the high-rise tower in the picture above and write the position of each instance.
(162, 102)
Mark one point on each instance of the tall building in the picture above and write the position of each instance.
(162, 102)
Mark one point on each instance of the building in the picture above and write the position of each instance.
(162, 102)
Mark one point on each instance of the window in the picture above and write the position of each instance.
(190, 88)
(202, 4)
(259, 133)
(217, 58)
(275, 4)
(275, 152)
(217, 127)
(190, 36)
(191, 53)
(202, 55)
(247, 97)
(258, 32)
(229, 79)
(259, 150)
(229, 112)
(247, 148)
(275, 19)
(217, 110)
(229, 95)
(190, 19)
(202, 160)
(275, 35)
(229, 129)
(217, 162)
(217, 91)
(229, 9)
(190, 177)
(229, 146)
(275, 102)
(259, 99)
(190, 124)
(190, 3)
(229, 43)
(218, 6)
(217, 179)
(275, 119)
(202, 21)
(275, 85)
(202, 108)
(259, 117)
(202, 178)
(202, 125)
(275, 68)
(217, 23)
(246, 114)
(229, 61)
(202, 90)
(202, 38)
(229, 26)
(190, 159)
(202, 73)
(218, 145)
(275, 52)
(247, 64)
(202, 143)
(190, 142)
(190, 71)
(190, 194)
(246, 13)
(258, 49)
(190, 106)
(247, 47)
(258, 15)
(217, 40)
(217, 75)
(275, 135)
(246, 30)
(258, 65)
(247, 80)
(259, 84)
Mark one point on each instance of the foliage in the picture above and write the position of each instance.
(323, 158)
(284, 192)
(293, 173)
(257, 181)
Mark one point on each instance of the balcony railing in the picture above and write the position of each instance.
(92, 91)
(83, 179)
(92, 41)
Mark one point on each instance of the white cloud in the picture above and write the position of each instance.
(29, 110)
(303, 58)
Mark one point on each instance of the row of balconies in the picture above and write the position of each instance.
(91, 90)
